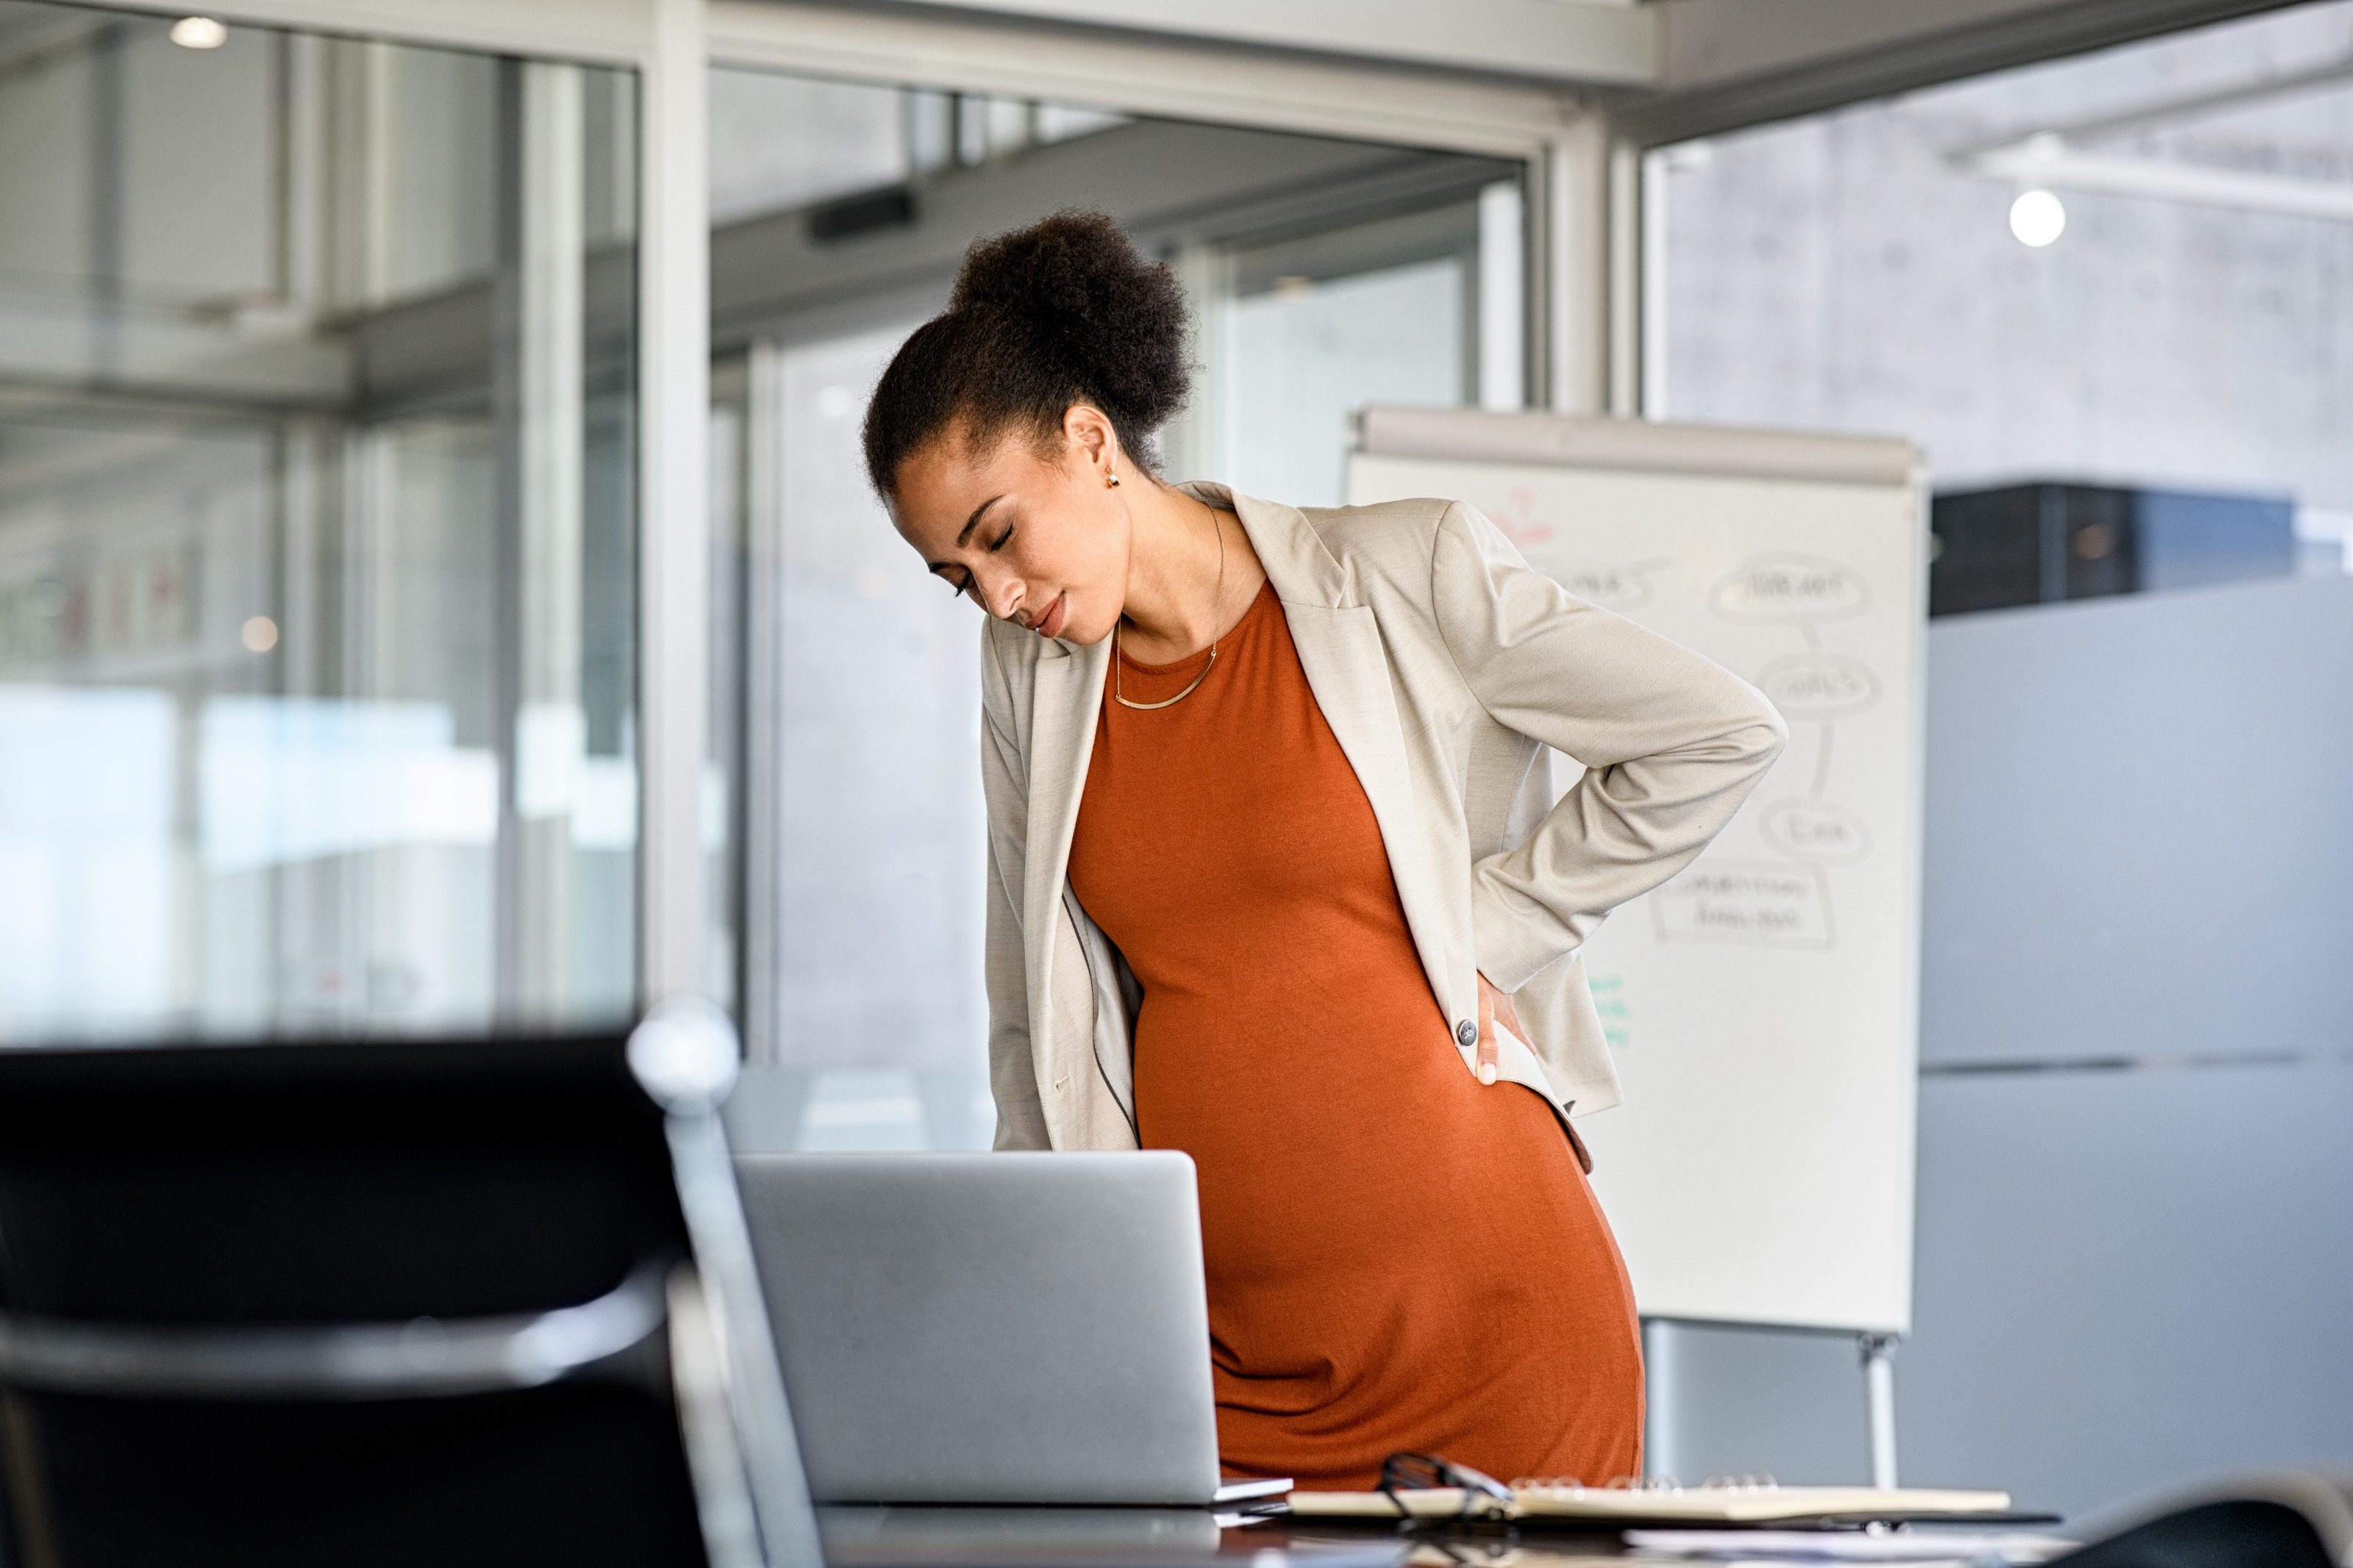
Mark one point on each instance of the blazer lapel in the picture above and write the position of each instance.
(1064, 703)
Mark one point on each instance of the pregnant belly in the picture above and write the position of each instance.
(1334, 1126)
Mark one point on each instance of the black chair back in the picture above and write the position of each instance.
(360, 1303)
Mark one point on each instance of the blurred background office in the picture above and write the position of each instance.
(439, 589)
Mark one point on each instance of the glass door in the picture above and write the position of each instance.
(317, 534)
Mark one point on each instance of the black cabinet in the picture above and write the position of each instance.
(2035, 543)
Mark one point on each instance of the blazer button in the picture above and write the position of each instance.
(1467, 1032)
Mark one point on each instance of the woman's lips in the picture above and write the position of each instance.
(1049, 625)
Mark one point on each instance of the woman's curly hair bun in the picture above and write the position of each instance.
(1066, 310)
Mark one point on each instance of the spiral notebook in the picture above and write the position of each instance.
(1743, 1504)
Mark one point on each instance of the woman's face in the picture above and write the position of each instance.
(1037, 540)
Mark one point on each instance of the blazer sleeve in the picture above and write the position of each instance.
(1012, 1072)
(1672, 744)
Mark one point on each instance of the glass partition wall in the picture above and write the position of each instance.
(1324, 275)
(317, 534)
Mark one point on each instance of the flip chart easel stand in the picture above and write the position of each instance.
(1661, 1435)
(1879, 1400)
(1658, 1433)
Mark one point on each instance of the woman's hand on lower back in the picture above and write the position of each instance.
(1494, 1007)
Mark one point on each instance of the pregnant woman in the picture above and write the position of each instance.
(1276, 877)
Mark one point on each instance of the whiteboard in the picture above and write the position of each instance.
(1762, 1005)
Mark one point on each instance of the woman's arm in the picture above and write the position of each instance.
(1012, 1073)
(1672, 744)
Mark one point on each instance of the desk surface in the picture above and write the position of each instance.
(925, 1536)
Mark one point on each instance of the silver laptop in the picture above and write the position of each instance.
(991, 1328)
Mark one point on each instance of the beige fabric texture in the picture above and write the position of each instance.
(1445, 666)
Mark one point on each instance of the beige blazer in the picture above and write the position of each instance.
(1445, 666)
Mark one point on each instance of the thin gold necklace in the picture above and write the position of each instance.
(1216, 612)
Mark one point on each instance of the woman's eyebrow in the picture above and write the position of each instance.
(973, 520)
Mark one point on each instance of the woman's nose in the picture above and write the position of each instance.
(1001, 599)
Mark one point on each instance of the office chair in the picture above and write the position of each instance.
(2269, 1518)
(478, 1302)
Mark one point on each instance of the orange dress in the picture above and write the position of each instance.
(1399, 1257)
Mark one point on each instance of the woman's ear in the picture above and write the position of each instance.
(1090, 436)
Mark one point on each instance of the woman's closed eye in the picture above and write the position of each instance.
(962, 586)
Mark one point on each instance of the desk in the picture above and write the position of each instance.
(932, 1536)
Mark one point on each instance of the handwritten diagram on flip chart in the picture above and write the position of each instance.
(1761, 1004)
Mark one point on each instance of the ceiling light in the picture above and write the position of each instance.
(2037, 218)
(198, 33)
